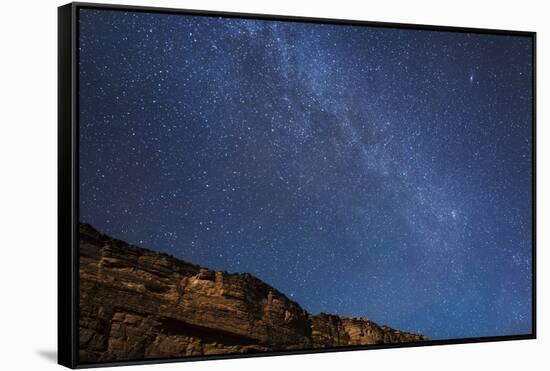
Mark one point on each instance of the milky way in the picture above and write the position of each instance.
(362, 171)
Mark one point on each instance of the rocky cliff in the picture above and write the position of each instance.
(136, 304)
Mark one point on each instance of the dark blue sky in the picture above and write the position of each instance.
(364, 171)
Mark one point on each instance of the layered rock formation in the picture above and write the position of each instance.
(136, 304)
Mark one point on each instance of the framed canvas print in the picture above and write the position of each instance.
(239, 185)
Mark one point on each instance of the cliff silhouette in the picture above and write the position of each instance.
(137, 304)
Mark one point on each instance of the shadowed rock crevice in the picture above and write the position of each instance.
(137, 304)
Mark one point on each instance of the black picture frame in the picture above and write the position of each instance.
(68, 176)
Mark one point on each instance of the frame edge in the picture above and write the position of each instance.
(302, 19)
(66, 299)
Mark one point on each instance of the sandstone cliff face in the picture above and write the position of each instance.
(137, 304)
(329, 330)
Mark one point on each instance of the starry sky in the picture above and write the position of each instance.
(363, 171)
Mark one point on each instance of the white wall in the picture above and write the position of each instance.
(28, 181)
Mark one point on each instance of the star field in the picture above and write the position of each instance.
(362, 171)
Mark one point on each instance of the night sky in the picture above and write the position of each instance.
(362, 171)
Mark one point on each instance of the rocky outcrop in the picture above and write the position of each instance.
(136, 304)
(329, 330)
